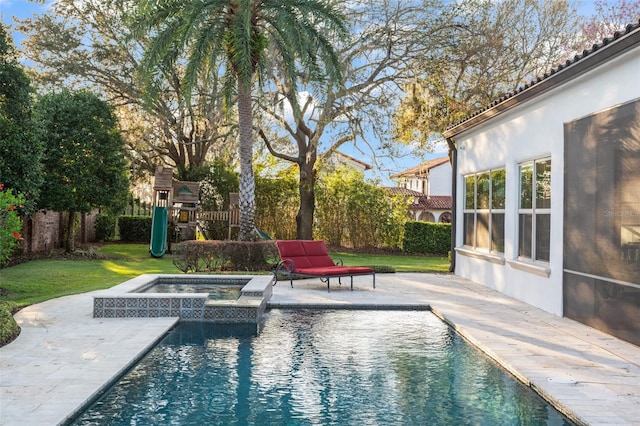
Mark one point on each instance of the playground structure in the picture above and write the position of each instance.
(162, 189)
(175, 203)
(175, 212)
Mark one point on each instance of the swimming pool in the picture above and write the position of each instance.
(312, 367)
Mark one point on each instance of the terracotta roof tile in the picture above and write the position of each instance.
(422, 169)
(435, 202)
(395, 190)
(568, 63)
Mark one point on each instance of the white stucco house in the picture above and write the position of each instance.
(429, 186)
(547, 193)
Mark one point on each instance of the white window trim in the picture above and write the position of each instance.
(529, 263)
(483, 255)
(531, 267)
(490, 253)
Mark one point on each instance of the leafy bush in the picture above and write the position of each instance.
(207, 256)
(356, 212)
(251, 255)
(383, 269)
(135, 229)
(10, 223)
(427, 237)
(9, 329)
(105, 227)
(277, 202)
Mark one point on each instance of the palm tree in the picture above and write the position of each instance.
(233, 37)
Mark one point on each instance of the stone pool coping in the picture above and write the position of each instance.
(126, 301)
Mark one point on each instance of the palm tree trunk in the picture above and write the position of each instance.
(247, 181)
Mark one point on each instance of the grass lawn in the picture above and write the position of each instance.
(40, 280)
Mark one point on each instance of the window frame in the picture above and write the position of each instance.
(533, 211)
(487, 209)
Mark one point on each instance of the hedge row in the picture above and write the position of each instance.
(427, 238)
(207, 256)
(135, 229)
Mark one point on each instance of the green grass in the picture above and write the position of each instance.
(40, 280)
(401, 263)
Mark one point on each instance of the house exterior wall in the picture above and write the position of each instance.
(534, 130)
(416, 184)
(440, 180)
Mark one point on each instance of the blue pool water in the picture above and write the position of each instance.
(216, 291)
(320, 368)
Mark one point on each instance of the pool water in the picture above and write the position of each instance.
(313, 367)
(216, 291)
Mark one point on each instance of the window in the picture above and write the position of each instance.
(534, 213)
(484, 210)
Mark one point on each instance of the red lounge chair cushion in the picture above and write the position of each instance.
(315, 248)
(301, 262)
(289, 249)
(324, 272)
(359, 270)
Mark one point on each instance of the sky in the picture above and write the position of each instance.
(23, 9)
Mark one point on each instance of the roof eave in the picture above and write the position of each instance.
(593, 59)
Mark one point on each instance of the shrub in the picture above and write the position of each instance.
(105, 227)
(9, 329)
(383, 269)
(277, 202)
(427, 238)
(135, 229)
(10, 223)
(360, 213)
(207, 256)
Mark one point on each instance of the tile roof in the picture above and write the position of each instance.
(355, 160)
(435, 202)
(423, 202)
(396, 190)
(422, 169)
(573, 63)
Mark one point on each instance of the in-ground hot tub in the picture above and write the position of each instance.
(189, 297)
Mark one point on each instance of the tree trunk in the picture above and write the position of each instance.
(304, 218)
(247, 181)
(70, 234)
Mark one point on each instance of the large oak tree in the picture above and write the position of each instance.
(90, 44)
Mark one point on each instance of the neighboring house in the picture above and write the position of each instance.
(337, 159)
(429, 184)
(548, 190)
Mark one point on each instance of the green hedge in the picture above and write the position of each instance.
(105, 227)
(207, 256)
(135, 229)
(427, 238)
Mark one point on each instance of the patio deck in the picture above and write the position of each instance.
(64, 356)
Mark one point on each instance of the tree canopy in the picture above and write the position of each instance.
(84, 161)
(489, 49)
(20, 147)
(232, 38)
(91, 44)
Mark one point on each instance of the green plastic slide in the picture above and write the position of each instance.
(159, 223)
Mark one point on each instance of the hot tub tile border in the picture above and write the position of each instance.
(123, 302)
